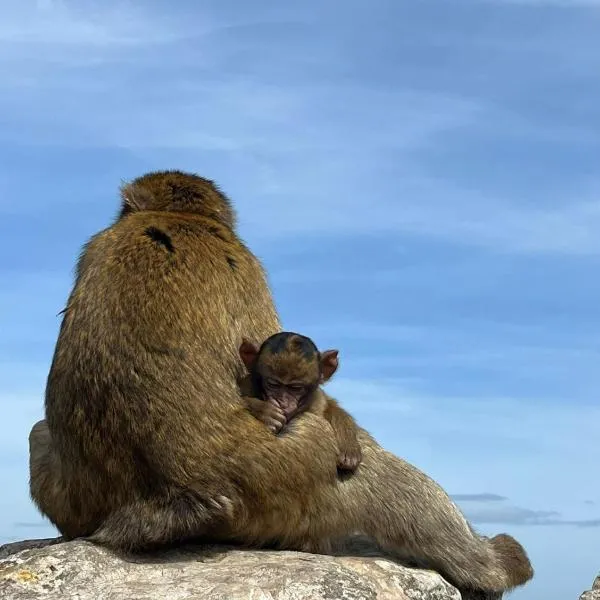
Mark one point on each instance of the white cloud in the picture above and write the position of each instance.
(431, 208)
(86, 24)
(505, 513)
(306, 158)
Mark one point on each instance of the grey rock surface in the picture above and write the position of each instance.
(594, 593)
(51, 570)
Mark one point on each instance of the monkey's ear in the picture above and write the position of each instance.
(128, 198)
(248, 353)
(329, 364)
(135, 198)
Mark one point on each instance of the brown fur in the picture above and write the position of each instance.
(345, 431)
(511, 554)
(146, 441)
(294, 361)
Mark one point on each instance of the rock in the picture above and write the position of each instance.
(15, 547)
(55, 570)
(593, 594)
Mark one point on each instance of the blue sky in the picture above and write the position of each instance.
(419, 178)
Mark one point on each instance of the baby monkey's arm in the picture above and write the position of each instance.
(346, 435)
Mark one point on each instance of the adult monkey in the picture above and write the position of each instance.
(146, 441)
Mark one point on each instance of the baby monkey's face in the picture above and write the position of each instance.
(289, 388)
(287, 369)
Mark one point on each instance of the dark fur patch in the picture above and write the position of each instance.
(279, 342)
(217, 233)
(276, 343)
(231, 262)
(160, 237)
(183, 193)
(307, 347)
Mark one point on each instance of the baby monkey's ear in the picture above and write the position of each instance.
(248, 354)
(329, 364)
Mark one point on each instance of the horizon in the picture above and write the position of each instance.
(420, 182)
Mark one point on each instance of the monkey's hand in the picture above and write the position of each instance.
(346, 435)
(266, 412)
(350, 455)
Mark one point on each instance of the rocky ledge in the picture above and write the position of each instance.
(594, 593)
(55, 570)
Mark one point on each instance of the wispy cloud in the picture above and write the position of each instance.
(305, 170)
(474, 358)
(30, 525)
(490, 508)
(65, 23)
(443, 212)
(485, 497)
(568, 427)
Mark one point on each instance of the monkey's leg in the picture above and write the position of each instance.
(138, 526)
(46, 486)
(410, 515)
(152, 523)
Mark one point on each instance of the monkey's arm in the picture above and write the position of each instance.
(266, 412)
(346, 435)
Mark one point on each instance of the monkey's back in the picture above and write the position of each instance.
(159, 308)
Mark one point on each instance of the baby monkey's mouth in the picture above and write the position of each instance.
(288, 404)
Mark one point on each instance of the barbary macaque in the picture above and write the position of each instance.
(146, 443)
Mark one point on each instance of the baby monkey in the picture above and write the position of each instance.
(283, 381)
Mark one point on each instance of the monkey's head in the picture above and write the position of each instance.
(287, 368)
(176, 191)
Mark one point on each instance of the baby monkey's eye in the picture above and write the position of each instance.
(273, 383)
(296, 387)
